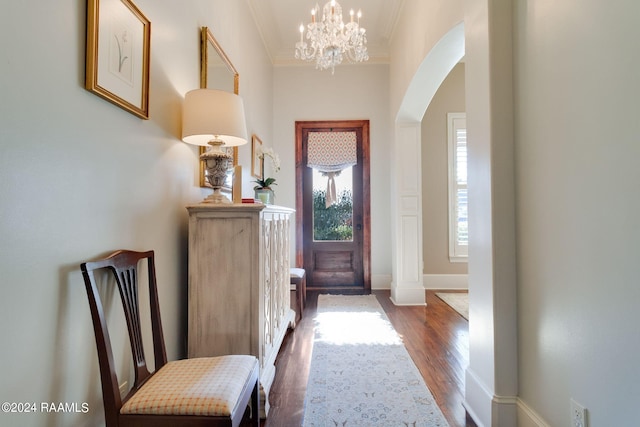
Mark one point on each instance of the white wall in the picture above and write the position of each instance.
(435, 177)
(577, 150)
(80, 177)
(353, 92)
(420, 26)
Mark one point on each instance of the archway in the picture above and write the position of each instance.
(407, 287)
(491, 394)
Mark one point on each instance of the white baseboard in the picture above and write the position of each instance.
(430, 281)
(409, 294)
(487, 409)
(527, 417)
(445, 281)
(477, 399)
(380, 281)
(504, 411)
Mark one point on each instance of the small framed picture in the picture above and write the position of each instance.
(117, 63)
(256, 151)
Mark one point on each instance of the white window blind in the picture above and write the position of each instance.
(458, 217)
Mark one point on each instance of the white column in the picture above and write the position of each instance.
(407, 287)
(491, 393)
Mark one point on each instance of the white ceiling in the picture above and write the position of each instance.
(279, 20)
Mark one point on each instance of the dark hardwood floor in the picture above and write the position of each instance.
(436, 337)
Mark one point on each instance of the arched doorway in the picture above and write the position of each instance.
(407, 287)
(491, 394)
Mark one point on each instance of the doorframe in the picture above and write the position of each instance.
(366, 193)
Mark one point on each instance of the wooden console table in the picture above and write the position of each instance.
(239, 299)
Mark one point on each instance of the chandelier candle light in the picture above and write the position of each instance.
(331, 39)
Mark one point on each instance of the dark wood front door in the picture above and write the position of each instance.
(333, 244)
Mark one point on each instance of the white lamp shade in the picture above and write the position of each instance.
(209, 114)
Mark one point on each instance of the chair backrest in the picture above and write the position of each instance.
(124, 266)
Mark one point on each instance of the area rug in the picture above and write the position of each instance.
(361, 374)
(459, 301)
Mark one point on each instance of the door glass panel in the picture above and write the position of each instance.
(336, 221)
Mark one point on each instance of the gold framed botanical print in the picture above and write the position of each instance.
(118, 52)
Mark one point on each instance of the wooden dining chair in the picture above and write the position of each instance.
(208, 391)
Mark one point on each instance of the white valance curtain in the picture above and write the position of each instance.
(330, 153)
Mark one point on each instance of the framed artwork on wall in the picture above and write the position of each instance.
(256, 150)
(117, 62)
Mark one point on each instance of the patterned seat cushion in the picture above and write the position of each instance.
(203, 386)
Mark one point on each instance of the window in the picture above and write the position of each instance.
(458, 218)
(333, 222)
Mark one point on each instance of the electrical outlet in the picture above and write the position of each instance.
(578, 414)
(123, 388)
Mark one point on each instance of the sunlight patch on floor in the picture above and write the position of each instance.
(344, 328)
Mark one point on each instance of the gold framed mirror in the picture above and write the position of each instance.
(216, 72)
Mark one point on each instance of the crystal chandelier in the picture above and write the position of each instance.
(331, 39)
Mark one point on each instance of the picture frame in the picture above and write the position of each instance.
(256, 164)
(118, 53)
(216, 72)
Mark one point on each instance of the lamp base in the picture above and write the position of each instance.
(217, 164)
(217, 197)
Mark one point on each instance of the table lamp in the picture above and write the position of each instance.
(214, 118)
